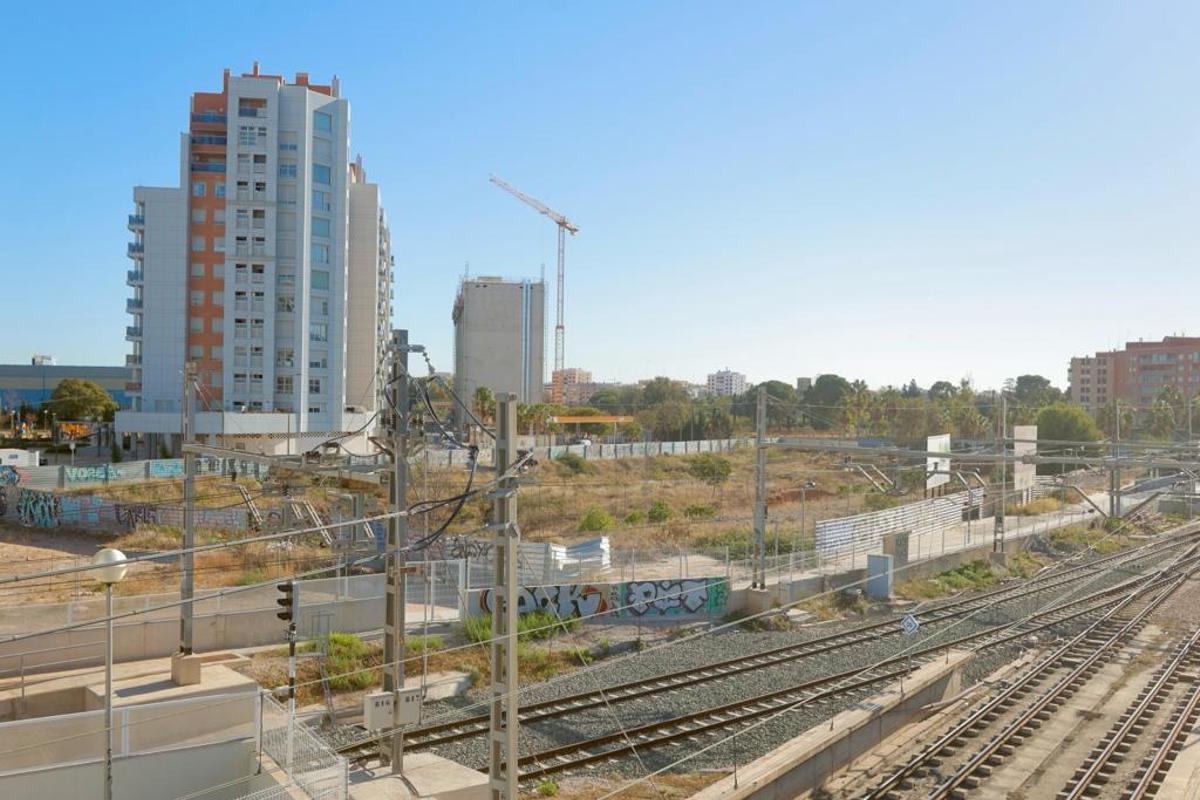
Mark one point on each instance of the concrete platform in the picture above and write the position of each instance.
(803, 762)
(425, 776)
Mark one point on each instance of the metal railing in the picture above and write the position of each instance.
(310, 763)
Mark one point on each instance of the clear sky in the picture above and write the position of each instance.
(882, 190)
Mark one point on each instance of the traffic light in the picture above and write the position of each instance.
(288, 600)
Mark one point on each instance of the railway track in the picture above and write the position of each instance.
(1050, 683)
(1147, 780)
(1105, 760)
(434, 734)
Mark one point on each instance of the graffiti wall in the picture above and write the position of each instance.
(663, 598)
(46, 509)
(636, 599)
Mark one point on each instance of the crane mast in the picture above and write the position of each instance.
(564, 226)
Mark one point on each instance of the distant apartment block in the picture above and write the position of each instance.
(33, 383)
(803, 385)
(269, 267)
(1137, 373)
(726, 383)
(571, 386)
(499, 335)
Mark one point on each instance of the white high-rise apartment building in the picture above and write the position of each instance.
(269, 266)
(726, 383)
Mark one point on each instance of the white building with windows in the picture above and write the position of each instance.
(726, 383)
(270, 267)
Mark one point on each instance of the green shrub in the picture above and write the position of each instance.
(580, 654)
(596, 519)
(115, 453)
(876, 501)
(534, 625)
(659, 512)
(164, 452)
(477, 628)
(415, 645)
(251, 577)
(547, 788)
(575, 464)
(350, 661)
(635, 518)
(700, 512)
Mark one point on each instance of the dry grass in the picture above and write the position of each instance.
(667, 786)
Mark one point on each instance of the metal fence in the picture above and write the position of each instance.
(68, 477)
(310, 763)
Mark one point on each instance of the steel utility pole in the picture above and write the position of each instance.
(1001, 475)
(188, 436)
(502, 735)
(1114, 475)
(393, 644)
(760, 491)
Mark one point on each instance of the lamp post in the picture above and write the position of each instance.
(110, 569)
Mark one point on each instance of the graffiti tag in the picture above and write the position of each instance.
(38, 509)
(670, 597)
(133, 514)
(563, 601)
(9, 476)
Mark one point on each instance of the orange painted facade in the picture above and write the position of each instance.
(207, 132)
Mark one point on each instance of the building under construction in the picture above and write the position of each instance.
(499, 336)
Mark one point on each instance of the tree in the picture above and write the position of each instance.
(484, 403)
(911, 390)
(607, 399)
(942, 390)
(823, 398)
(856, 406)
(1107, 418)
(713, 470)
(1033, 391)
(1162, 419)
(663, 390)
(79, 399)
(1069, 422)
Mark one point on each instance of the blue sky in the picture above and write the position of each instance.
(882, 190)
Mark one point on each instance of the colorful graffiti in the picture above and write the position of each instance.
(9, 476)
(672, 597)
(166, 469)
(3, 501)
(131, 515)
(38, 509)
(566, 601)
(84, 509)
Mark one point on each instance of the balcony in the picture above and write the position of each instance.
(208, 166)
(136, 221)
(208, 143)
(133, 305)
(133, 332)
(133, 360)
(209, 118)
(134, 277)
(133, 387)
(136, 249)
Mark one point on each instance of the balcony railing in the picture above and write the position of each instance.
(133, 387)
(136, 220)
(208, 166)
(209, 117)
(133, 360)
(133, 332)
(136, 248)
(134, 276)
(133, 304)
(218, 140)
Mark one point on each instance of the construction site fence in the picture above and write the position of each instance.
(593, 452)
(309, 763)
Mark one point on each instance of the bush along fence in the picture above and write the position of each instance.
(670, 597)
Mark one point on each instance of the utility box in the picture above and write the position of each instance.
(377, 709)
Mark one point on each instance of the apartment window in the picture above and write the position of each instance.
(287, 141)
(285, 279)
(321, 306)
(320, 227)
(260, 163)
(287, 195)
(197, 270)
(241, 273)
(218, 298)
(287, 168)
(218, 244)
(214, 352)
(243, 163)
(284, 357)
(196, 299)
(320, 200)
(252, 106)
(196, 324)
(198, 215)
(258, 218)
(196, 351)
(248, 135)
(285, 303)
(243, 218)
(219, 190)
(314, 385)
(320, 279)
(258, 246)
(217, 379)
(218, 270)
(320, 254)
(197, 188)
(322, 121)
(283, 384)
(285, 247)
(197, 243)
(315, 410)
(218, 215)
(218, 325)
(318, 332)
(321, 174)
(323, 151)
(318, 361)
(285, 220)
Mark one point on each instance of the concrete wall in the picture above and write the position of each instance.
(144, 777)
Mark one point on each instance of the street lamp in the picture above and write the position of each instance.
(110, 568)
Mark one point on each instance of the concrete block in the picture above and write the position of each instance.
(185, 670)
(425, 775)
(759, 600)
(879, 576)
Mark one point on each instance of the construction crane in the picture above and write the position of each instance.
(564, 226)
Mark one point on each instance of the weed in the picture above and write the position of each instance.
(547, 788)
(635, 518)
(534, 625)
(575, 464)
(251, 577)
(699, 512)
